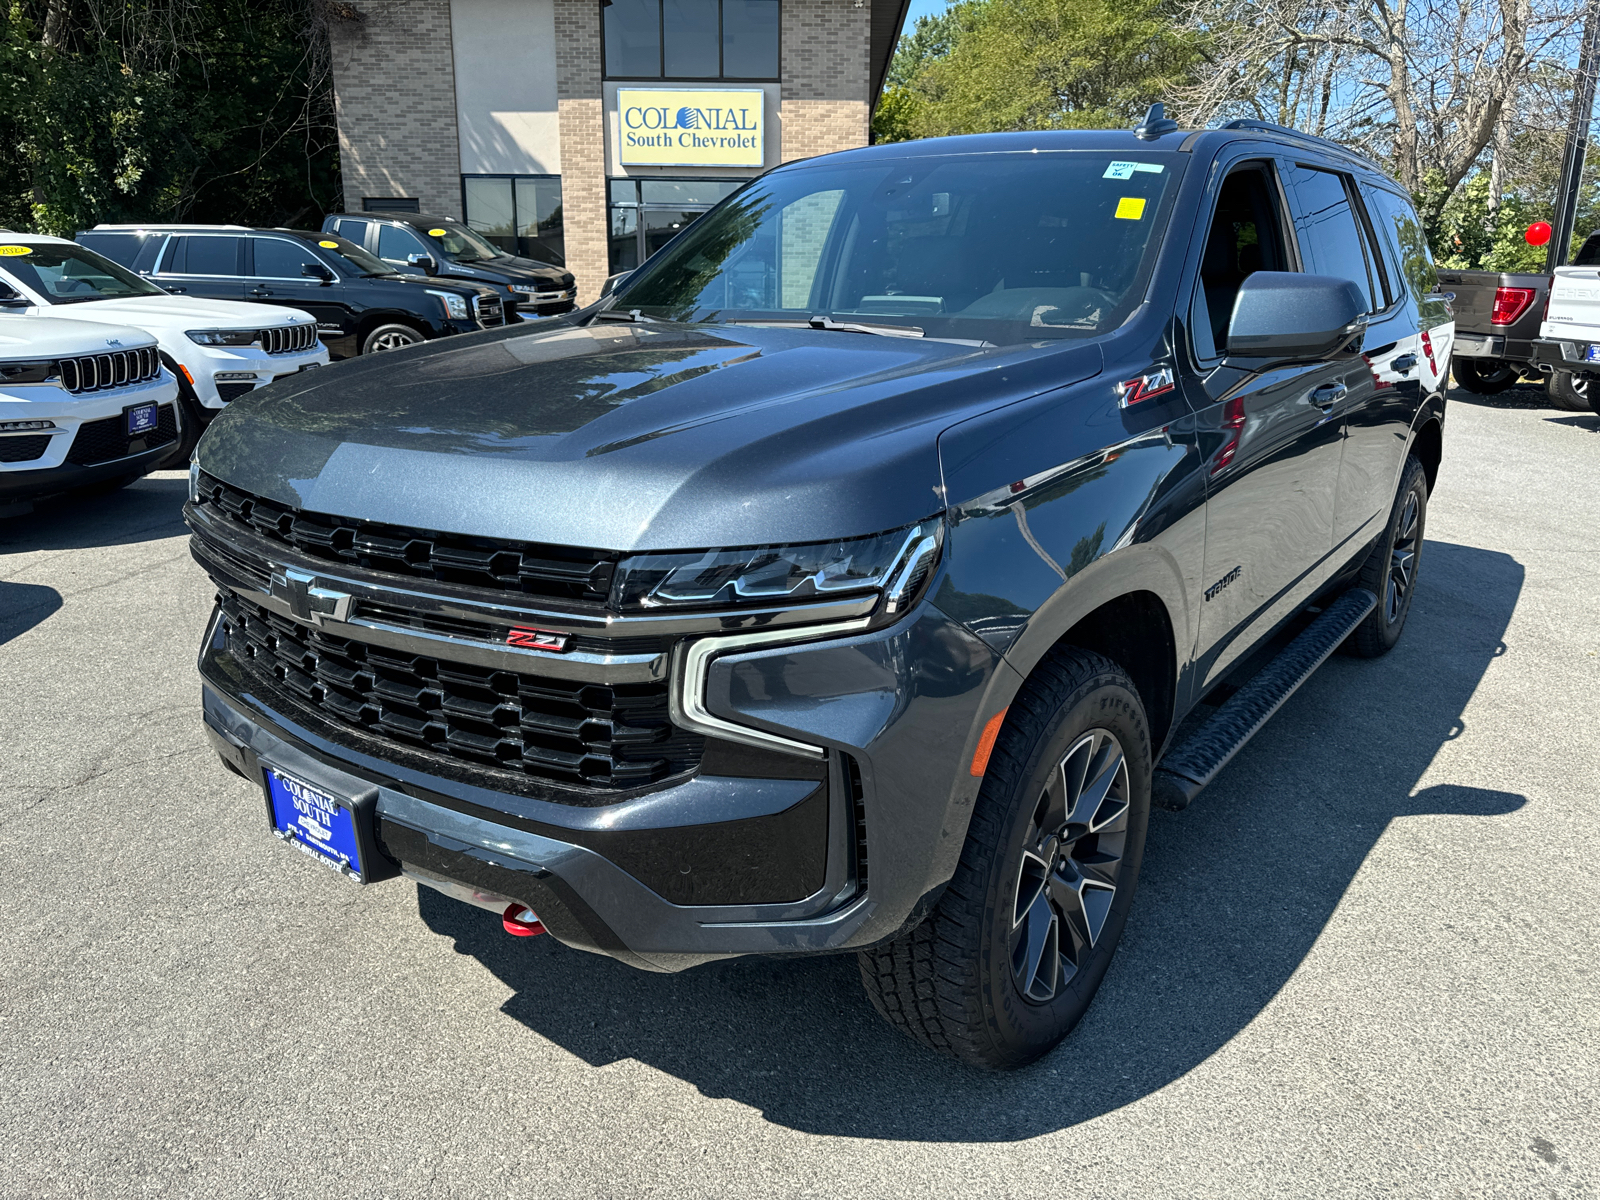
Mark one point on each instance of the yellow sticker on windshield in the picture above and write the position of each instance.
(436, 233)
(14, 251)
(1131, 208)
(329, 245)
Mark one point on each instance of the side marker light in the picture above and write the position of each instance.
(980, 757)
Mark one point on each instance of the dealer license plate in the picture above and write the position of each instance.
(142, 418)
(319, 824)
(1591, 353)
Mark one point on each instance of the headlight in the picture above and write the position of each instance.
(28, 372)
(455, 307)
(224, 337)
(895, 564)
(529, 289)
(194, 482)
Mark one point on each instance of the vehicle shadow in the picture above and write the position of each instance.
(1588, 421)
(145, 511)
(1234, 894)
(24, 605)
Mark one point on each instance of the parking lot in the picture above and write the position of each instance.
(1366, 963)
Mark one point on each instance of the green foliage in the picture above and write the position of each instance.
(148, 111)
(993, 65)
(1469, 235)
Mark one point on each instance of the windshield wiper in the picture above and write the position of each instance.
(823, 321)
(622, 314)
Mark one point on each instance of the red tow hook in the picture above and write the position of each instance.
(521, 921)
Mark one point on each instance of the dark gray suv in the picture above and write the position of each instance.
(839, 583)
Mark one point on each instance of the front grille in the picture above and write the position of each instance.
(557, 572)
(229, 392)
(24, 449)
(602, 736)
(488, 310)
(97, 372)
(288, 339)
(107, 439)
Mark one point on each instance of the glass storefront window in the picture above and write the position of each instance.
(646, 214)
(520, 214)
(691, 39)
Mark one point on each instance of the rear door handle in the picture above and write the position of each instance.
(1329, 394)
(1404, 363)
(260, 291)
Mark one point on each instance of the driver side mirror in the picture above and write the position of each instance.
(316, 270)
(425, 261)
(1284, 314)
(11, 298)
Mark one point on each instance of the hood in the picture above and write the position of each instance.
(192, 312)
(629, 436)
(50, 337)
(510, 269)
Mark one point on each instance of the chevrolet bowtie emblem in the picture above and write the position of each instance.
(307, 601)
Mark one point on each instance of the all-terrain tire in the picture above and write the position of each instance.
(1571, 394)
(952, 983)
(1484, 376)
(1390, 572)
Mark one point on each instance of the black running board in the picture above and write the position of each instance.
(1188, 768)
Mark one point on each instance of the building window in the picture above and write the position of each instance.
(646, 214)
(521, 214)
(690, 39)
(390, 204)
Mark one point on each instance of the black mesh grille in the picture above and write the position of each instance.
(107, 439)
(229, 392)
(561, 572)
(594, 735)
(24, 449)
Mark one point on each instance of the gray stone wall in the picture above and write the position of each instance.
(395, 96)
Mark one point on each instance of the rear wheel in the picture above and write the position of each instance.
(1569, 393)
(1485, 376)
(1390, 572)
(1011, 956)
(389, 337)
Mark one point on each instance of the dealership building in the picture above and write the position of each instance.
(594, 129)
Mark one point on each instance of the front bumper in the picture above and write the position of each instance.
(244, 369)
(50, 471)
(525, 306)
(682, 872)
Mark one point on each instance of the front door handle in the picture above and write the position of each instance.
(260, 291)
(175, 291)
(1329, 394)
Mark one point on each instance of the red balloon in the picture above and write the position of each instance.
(1538, 234)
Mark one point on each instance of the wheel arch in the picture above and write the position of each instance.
(1428, 445)
(370, 321)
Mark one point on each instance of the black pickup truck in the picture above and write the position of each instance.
(839, 583)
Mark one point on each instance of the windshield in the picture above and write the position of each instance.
(1000, 247)
(347, 255)
(71, 274)
(461, 244)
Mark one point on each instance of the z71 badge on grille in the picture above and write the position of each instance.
(537, 639)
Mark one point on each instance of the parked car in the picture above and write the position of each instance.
(218, 349)
(82, 404)
(840, 582)
(361, 305)
(1569, 336)
(1497, 322)
(447, 249)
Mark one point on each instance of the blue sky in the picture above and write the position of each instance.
(923, 8)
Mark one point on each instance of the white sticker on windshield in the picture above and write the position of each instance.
(1125, 170)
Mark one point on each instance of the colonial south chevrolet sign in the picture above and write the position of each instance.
(679, 127)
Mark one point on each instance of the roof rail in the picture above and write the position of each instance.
(1311, 139)
(1155, 123)
(165, 225)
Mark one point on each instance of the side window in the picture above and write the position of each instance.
(279, 258)
(355, 231)
(1416, 261)
(208, 256)
(1330, 234)
(396, 244)
(1379, 257)
(1246, 236)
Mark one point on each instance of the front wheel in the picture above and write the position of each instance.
(1571, 394)
(1008, 960)
(1485, 376)
(389, 337)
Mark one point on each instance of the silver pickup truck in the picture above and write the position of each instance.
(1568, 347)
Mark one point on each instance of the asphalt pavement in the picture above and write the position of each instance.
(1366, 963)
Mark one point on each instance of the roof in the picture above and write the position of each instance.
(35, 237)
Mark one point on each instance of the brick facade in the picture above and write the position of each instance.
(826, 77)
(583, 145)
(395, 97)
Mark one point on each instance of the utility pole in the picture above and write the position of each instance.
(1577, 148)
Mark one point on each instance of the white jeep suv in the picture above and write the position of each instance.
(221, 349)
(81, 404)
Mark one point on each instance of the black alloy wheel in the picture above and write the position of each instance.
(1485, 376)
(1390, 572)
(1071, 864)
(1010, 957)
